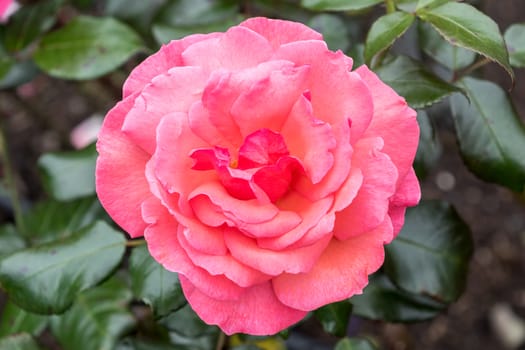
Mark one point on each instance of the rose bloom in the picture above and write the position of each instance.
(261, 168)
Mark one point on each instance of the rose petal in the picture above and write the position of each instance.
(408, 194)
(279, 32)
(370, 206)
(120, 181)
(164, 246)
(257, 311)
(168, 93)
(340, 272)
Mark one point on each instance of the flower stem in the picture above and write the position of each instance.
(221, 341)
(390, 6)
(11, 183)
(135, 243)
(474, 66)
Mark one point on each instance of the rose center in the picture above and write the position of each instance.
(263, 166)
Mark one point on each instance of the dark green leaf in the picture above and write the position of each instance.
(153, 284)
(429, 149)
(335, 317)
(189, 330)
(418, 86)
(165, 33)
(463, 25)
(18, 74)
(437, 48)
(69, 175)
(29, 22)
(382, 300)
(384, 31)
(138, 13)
(515, 39)
(17, 320)
(339, 5)
(429, 3)
(490, 134)
(51, 220)
(354, 344)
(430, 256)
(407, 5)
(87, 48)
(10, 240)
(136, 344)
(46, 279)
(98, 318)
(21, 341)
(333, 29)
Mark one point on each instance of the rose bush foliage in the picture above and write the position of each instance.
(261, 168)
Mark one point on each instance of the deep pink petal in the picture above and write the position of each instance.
(168, 93)
(408, 194)
(238, 48)
(262, 147)
(120, 180)
(336, 94)
(223, 264)
(257, 311)
(161, 62)
(370, 206)
(164, 246)
(340, 272)
(273, 262)
(394, 121)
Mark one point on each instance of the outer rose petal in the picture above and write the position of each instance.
(257, 311)
(341, 271)
(408, 194)
(120, 181)
(279, 32)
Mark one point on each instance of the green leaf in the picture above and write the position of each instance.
(429, 149)
(141, 344)
(10, 240)
(418, 86)
(335, 317)
(19, 73)
(429, 3)
(98, 318)
(21, 341)
(163, 33)
(430, 256)
(51, 220)
(463, 25)
(437, 48)
(333, 29)
(87, 48)
(339, 5)
(354, 344)
(29, 22)
(384, 31)
(186, 328)
(17, 320)
(69, 175)
(46, 279)
(490, 134)
(382, 300)
(515, 39)
(153, 284)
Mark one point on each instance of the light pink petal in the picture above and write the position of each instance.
(223, 264)
(201, 125)
(340, 272)
(322, 229)
(348, 190)
(161, 62)
(408, 194)
(120, 180)
(238, 48)
(336, 93)
(310, 140)
(310, 212)
(273, 262)
(168, 93)
(370, 206)
(172, 161)
(394, 121)
(252, 110)
(257, 311)
(164, 246)
(279, 32)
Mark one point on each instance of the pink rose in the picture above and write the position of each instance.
(7, 8)
(262, 169)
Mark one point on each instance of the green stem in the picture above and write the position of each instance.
(11, 183)
(135, 243)
(474, 66)
(390, 6)
(221, 341)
